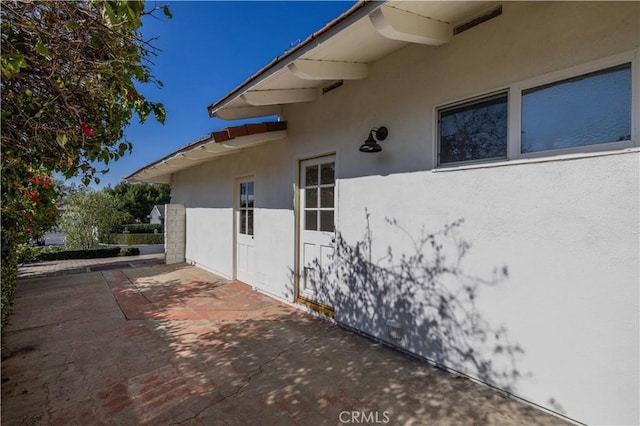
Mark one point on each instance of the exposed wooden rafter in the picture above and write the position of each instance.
(397, 24)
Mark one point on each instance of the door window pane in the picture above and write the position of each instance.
(245, 211)
(249, 222)
(243, 194)
(589, 109)
(311, 197)
(250, 194)
(243, 221)
(311, 220)
(476, 130)
(326, 220)
(326, 197)
(311, 176)
(327, 174)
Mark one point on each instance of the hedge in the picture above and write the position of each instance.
(9, 273)
(87, 254)
(138, 228)
(133, 239)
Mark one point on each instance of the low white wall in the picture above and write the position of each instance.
(174, 236)
(208, 194)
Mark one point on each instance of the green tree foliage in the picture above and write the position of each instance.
(68, 82)
(88, 218)
(30, 212)
(137, 199)
(70, 77)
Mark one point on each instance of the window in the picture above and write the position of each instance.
(319, 200)
(475, 130)
(585, 110)
(245, 222)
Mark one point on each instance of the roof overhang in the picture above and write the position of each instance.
(216, 144)
(344, 50)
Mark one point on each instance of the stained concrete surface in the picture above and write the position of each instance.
(166, 345)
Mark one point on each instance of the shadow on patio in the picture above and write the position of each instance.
(189, 348)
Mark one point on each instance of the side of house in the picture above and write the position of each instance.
(514, 261)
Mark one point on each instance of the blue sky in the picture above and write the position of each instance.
(208, 49)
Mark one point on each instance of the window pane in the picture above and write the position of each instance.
(327, 174)
(249, 222)
(311, 198)
(243, 194)
(586, 110)
(326, 197)
(311, 220)
(326, 220)
(311, 175)
(474, 131)
(250, 195)
(243, 221)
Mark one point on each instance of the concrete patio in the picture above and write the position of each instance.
(168, 345)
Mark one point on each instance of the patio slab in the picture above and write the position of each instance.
(167, 345)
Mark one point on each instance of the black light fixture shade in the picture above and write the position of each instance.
(371, 145)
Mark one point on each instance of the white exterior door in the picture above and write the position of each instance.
(245, 195)
(317, 229)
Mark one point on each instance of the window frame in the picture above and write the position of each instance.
(514, 112)
(247, 208)
(462, 104)
(318, 209)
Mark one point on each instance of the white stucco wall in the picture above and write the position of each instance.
(567, 231)
(208, 193)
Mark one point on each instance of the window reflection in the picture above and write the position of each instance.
(475, 130)
(589, 109)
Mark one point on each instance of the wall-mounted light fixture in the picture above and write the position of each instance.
(371, 144)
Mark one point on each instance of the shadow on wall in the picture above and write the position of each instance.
(422, 301)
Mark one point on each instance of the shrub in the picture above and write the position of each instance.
(9, 271)
(138, 228)
(28, 253)
(133, 239)
(79, 254)
(129, 251)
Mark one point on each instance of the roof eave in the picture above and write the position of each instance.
(357, 11)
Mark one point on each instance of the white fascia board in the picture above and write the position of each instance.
(397, 24)
(307, 69)
(278, 97)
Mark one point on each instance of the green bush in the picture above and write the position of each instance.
(9, 271)
(129, 251)
(133, 239)
(138, 228)
(79, 254)
(28, 253)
